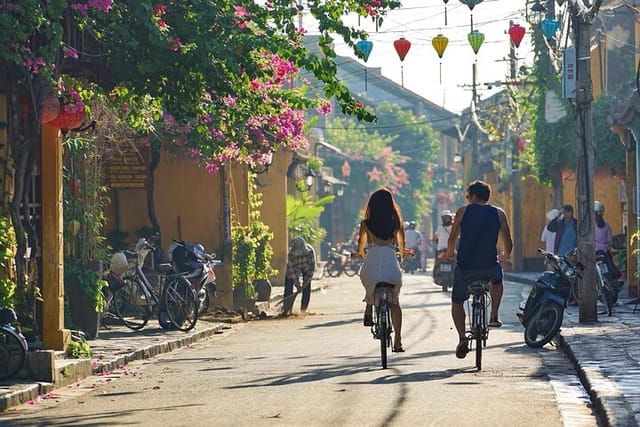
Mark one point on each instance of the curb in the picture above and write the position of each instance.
(155, 349)
(22, 393)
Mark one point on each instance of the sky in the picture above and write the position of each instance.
(419, 21)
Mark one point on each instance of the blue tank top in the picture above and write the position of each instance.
(479, 231)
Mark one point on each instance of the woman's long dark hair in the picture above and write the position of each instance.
(382, 216)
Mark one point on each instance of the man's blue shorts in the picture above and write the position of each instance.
(462, 279)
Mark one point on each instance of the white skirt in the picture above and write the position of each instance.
(380, 265)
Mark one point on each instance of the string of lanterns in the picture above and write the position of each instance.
(440, 42)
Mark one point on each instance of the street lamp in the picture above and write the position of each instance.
(457, 158)
(309, 177)
(339, 191)
(537, 13)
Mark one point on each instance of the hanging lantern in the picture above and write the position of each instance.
(346, 169)
(536, 13)
(445, 11)
(471, 4)
(402, 46)
(549, 27)
(440, 43)
(516, 32)
(49, 109)
(475, 40)
(365, 47)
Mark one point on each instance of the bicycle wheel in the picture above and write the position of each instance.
(477, 331)
(383, 335)
(352, 267)
(332, 269)
(604, 294)
(132, 304)
(181, 301)
(12, 354)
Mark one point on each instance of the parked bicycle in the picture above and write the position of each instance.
(340, 261)
(174, 300)
(382, 329)
(13, 345)
(478, 331)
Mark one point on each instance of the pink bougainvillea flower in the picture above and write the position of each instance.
(212, 168)
(159, 9)
(240, 11)
(324, 109)
(71, 53)
(177, 45)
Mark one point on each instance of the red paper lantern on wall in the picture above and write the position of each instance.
(516, 32)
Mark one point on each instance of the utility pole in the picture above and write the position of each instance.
(582, 17)
(474, 171)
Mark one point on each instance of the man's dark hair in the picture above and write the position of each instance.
(568, 208)
(480, 189)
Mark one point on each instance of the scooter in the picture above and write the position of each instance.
(542, 312)
(443, 271)
(197, 265)
(608, 285)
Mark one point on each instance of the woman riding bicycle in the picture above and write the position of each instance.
(381, 230)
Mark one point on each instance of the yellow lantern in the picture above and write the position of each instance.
(440, 43)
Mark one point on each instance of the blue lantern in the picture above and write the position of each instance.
(549, 27)
(365, 47)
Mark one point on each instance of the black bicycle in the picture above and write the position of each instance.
(478, 331)
(174, 299)
(13, 345)
(381, 329)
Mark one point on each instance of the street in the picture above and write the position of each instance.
(323, 369)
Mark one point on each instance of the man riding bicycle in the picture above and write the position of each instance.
(478, 224)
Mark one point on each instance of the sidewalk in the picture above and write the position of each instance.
(605, 357)
(113, 348)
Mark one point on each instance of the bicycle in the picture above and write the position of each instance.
(13, 345)
(339, 262)
(138, 299)
(381, 329)
(478, 332)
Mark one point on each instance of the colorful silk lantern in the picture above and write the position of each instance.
(476, 39)
(402, 46)
(516, 32)
(440, 43)
(549, 27)
(471, 4)
(365, 47)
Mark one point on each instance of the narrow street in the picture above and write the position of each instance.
(323, 369)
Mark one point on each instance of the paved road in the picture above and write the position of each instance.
(322, 369)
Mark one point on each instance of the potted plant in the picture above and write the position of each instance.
(252, 254)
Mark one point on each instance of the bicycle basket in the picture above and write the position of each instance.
(7, 315)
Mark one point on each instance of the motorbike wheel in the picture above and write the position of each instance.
(544, 325)
(205, 296)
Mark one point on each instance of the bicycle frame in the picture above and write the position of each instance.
(478, 332)
(382, 328)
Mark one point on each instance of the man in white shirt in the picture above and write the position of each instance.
(549, 237)
(440, 238)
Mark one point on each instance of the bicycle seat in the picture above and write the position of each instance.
(130, 254)
(385, 285)
(165, 268)
(478, 286)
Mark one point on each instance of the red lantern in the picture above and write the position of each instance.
(516, 32)
(49, 109)
(402, 46)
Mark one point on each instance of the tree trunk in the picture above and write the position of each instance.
(151, 209)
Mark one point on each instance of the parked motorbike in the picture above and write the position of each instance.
(542, 312)
(197, 265)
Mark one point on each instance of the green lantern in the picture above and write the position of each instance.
(475, 40)
(470, 3)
